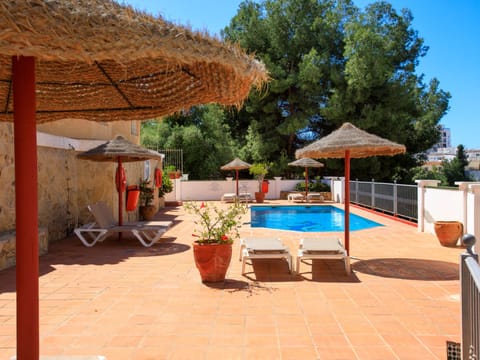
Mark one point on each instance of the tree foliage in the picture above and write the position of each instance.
(203, 135)
(329, 62)
(449, 172)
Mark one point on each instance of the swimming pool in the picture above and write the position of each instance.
(306, 218)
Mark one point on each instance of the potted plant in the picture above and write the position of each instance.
(216, 232)
(147, 210)
(167, 187)
(172, 172)
(259, 170)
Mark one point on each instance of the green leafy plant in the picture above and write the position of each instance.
(313, 186)
(216, 225)
(167, 186)
(259, 170)
(146, 192)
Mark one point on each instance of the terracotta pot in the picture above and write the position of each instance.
(212, 260)
(448, 232)
(259, 197)
(147, 212)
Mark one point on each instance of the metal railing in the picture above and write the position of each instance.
(173, 157)
(395, 199)
(470, 292)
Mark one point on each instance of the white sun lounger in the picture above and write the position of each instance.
(263, 248)
(296, 197)
(231, 197)
(323, 248)
(147, 232)
(315, 197)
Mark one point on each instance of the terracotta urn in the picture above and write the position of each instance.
(448, 232)
(212, 260)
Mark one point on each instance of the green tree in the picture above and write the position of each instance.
(454, 170)
(203, 135)
(330, 62)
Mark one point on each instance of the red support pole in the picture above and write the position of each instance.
(236, 174)
(26, 207)
(347, 201)
(120, 194)
(306, 181)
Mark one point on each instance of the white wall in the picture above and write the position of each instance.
(442, 205)
(194, 190)
(462, 204)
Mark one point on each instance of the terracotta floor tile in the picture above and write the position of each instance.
(371, 352)
(262, 353)
(295, 353)
(336, 353)
(124, 301)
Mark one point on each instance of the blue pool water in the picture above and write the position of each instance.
(306, 218)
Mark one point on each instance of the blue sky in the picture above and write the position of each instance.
(451, 29)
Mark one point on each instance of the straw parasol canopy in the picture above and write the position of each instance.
(349, 142)
(100, 61)
(359, 142)
(119, 150)
(236, 164)
(306, 163)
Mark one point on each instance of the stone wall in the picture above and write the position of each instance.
(66, 185)
(8, 247)
(7, 178)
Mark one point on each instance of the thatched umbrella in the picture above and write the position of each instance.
(306, 163)
(236, 164)
(101, 61)
(119, 150)
(349, 142)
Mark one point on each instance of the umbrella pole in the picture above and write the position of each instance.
(347, 201)
(26, 207)
(306, 182)
(236, 177)
(120, 212)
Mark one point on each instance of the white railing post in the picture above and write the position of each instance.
(421, 201)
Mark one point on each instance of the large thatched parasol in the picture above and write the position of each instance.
(349, 142)
(306, 163)
(236, 164)
(119, 150)
(101, 61)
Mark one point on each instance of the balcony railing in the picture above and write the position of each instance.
(396, 199)
(470, 291)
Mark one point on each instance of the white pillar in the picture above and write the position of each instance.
(475, 227)
(277, 187)
(421, 201)
(463, 186)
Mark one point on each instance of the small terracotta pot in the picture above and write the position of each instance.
(448, 232)
(259, 197)
(147, 212)
(212, 260)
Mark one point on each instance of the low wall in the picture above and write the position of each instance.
(8, 247)
(195, 190)
(437, 204)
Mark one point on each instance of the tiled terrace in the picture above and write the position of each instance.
(124, 301)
